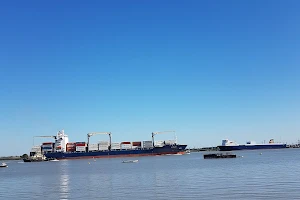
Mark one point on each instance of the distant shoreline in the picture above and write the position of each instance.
(203, 149)
(10, 158)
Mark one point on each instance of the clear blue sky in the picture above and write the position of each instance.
(208, 69)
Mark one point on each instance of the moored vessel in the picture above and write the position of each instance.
(228, 145)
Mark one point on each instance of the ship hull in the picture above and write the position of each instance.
(251, 147)
(168, 149)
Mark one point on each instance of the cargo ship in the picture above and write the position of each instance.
(228, 145)
(63, 149)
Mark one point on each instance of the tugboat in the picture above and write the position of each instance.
(36, 158)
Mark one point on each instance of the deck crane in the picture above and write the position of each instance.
(160, 132)
(97, 133)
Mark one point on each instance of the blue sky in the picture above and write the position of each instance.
(208, 69)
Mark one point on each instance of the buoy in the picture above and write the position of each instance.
(89, 163)
(260, 153)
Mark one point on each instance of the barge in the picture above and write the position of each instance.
(218, 155)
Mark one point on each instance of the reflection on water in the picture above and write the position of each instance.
(64, 181)
(271, 175)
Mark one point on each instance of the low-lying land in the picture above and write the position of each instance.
(203, 149)
(11, 158)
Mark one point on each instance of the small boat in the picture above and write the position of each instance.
(130, 161)
(54, 160)
(187, 152)
(218, 155)
(3, 165)
(173, 154)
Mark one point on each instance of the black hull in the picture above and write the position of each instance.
(216, 156)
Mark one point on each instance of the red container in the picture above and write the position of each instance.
(137, 144)
(125, 142)
(71, 149)
(71, 144)
(80, 145)
(47, 143)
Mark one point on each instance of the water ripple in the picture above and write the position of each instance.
(272, 175)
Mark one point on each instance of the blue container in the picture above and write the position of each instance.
(47, 148)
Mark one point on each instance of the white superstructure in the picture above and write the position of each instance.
(61, 141)
(227, 142)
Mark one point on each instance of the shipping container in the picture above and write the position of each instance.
(126, 146)
(93, 147)
(170, 142)
(115, 146)
(136, 147)
(47, 150)
(71, 149)
(126, 143)
(71, 144)
(47, 143)
(147, 144)
(47, 147)
(139, 144)
(80, 144)
(159, 143)
(80, 148)
(103, 147)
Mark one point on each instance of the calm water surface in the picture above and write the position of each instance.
(273, 175)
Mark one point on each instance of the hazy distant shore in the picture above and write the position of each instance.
(10, 158)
